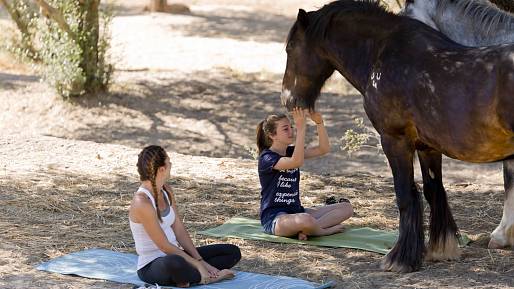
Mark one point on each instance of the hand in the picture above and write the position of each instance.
(213, 271)
(299, 117)
(316, 117)
(204, 274)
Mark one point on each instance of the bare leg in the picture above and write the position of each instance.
(294, 224)
(331, 215)
(503, 235)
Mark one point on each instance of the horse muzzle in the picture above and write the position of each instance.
(289, 101)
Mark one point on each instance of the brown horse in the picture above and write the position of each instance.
(423, 93)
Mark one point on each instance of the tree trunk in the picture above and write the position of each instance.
(54, 14)
(89, 45)
(158, 5)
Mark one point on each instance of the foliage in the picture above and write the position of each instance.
(68, 42)
(355, 140)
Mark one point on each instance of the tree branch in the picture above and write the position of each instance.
(55, 15)
(26, 37)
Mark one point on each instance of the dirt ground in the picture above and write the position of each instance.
(198, 84)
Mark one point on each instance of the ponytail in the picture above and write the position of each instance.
(263, 141)
(265, 128)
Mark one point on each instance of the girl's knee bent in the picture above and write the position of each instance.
(235, 252)
(346, 210)
(305, 220)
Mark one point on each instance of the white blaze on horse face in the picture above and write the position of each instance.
(285, 95)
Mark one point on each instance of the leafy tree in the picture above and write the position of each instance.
(68, 39)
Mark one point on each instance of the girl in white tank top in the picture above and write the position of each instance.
(166, 253)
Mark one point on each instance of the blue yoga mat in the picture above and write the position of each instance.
(121, 268)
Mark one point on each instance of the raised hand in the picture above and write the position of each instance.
(299, 117)
(316, 117)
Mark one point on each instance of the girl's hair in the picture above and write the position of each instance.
(265, 128)
(149, 160)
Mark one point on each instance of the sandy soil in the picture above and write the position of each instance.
(198, 84)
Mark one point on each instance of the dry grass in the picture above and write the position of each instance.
(70, 192)
(56, 212)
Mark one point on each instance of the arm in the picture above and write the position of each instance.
(323, 146)
(184, 239)
(296, 160)
(142, 211)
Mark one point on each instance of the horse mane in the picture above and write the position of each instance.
(320, 20)
(480, 11)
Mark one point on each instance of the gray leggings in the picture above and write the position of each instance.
(171, 270)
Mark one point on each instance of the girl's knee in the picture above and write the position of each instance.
(305, 220)
(346, 210)
(235, 252)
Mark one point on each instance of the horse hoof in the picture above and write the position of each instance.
(391, 266)
(442, 255)
(443, 250)
(493, 244)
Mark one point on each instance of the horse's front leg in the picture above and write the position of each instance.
(503, 235)
(406, 256)
(443, 244)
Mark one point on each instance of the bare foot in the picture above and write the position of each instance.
(302, 236)
(222, 275)
(335, 229)
(183, 285)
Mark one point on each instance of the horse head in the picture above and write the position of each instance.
(307, 68)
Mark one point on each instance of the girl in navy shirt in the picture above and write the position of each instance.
(281, 211)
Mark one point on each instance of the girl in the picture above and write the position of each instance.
(281, 211)
(166, 254)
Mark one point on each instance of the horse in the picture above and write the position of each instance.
(423, 93)
(480, 23)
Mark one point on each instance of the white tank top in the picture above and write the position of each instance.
(146, 249)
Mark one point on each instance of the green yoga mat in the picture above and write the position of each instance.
(355, 238)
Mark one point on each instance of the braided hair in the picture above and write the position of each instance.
(149, 160)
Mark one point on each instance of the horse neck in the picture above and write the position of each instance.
(354, 54)
(471, 30)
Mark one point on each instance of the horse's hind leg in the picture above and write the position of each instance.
(407, 253)
(503, 235)
(443, 244)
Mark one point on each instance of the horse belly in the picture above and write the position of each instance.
(478, 146)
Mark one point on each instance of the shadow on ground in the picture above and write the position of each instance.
(15, 81)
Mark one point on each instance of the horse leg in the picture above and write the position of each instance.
(407, 253)
(443, 243)
(503, 235)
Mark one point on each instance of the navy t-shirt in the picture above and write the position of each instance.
(280, 190)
